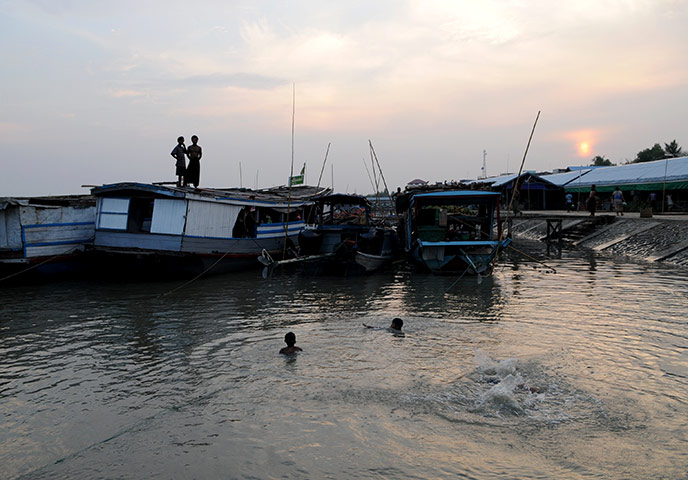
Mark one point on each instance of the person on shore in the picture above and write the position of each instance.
(178, 152)
(653, 201)
(592, 201)
(395, 327)
(569, 202)
(617, 198)
(193, 171)
(291, 348)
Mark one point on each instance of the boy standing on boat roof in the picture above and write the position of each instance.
(178, 152)
(193, 171)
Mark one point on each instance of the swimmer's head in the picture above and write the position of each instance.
(290, 339)
(397, 323)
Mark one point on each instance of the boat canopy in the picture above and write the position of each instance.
(454, 197)
(344, 198)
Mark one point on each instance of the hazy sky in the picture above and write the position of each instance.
(97, 92)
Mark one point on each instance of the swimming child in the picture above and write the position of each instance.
(290, 340)
(395, 327)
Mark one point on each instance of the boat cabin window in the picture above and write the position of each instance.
(268, 215)
(455, 222)
(140, 215)
(113, 213)
(338, 213)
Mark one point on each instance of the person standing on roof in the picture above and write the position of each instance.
(178, 152)
(193, 171)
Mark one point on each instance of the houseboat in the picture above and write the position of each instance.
(161, 231)
(45, 236)
(452, 231)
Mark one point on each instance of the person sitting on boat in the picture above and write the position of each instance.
(290, 340)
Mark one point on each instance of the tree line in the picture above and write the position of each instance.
(656, 152)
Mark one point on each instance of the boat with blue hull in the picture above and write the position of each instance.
(452, 231)
(160, 231)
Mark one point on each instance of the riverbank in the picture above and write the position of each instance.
(661, 238)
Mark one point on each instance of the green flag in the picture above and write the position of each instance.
(298, 179)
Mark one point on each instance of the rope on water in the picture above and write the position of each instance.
(39, 264)
(123, 431)
(203, 272)
(521, 252)
(451, 286)
(197, 276)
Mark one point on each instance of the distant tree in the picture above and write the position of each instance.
(601, 162)
(673, 150)
(650, 154)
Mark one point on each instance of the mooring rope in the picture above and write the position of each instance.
(553, 270)
(39, 264)
(197, 276)
(125, 430)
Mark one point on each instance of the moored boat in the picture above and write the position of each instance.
(158, 230)
(340, 238)
(45, 236)
(452, 231)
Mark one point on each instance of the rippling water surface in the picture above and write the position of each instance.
(582, 373)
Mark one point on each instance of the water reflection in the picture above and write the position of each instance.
(107, 377)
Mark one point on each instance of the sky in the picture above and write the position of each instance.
(97, 92)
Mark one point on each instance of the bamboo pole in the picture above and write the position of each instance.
(286, 224)
(520, 169)
(323, 165)
(666, 167)
(389, 195)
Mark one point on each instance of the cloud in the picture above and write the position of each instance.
(126, 93)
(12, 132)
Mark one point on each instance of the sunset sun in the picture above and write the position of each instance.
(584, 149)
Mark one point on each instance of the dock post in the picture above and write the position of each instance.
(554, 229)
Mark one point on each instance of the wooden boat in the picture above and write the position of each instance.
(45, 236)
(452, 231)
(159, 230)
(341, 239)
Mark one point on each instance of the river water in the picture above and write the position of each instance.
(528, 374)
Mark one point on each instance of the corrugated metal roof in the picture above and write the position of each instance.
(496, 182)
(561, 179)
(635, 174)
(457, 193)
